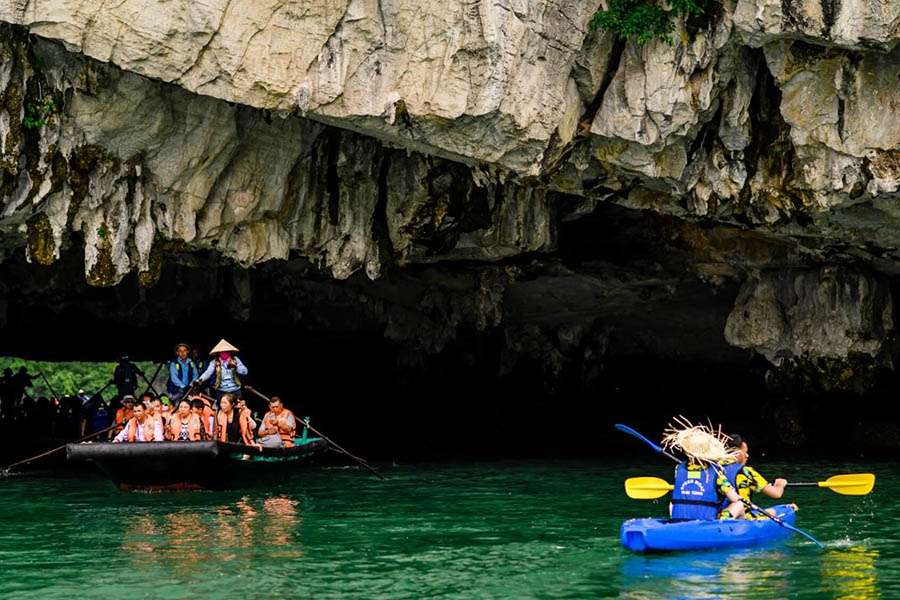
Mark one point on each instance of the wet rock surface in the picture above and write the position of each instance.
(489, 180)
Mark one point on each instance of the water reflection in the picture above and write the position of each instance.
(189, 537)
(850, 572)
(706, 574)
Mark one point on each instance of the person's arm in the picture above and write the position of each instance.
(123, 436)
(241, 369)
(208, 372)
(287, 424)
(772, 490)
(173, 375)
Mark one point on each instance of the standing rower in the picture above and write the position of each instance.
(182, 371)
(225, 371)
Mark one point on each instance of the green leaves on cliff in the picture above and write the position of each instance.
(644, 20)
(37, 113)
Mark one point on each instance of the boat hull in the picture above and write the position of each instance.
(193, 465)
(665, 535)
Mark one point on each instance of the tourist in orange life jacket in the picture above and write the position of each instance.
(225, 371)
(231, 423)
(184, 425)
(279, 426)
(205, 416)
(140, 428)
(123, 415)
(241, 405)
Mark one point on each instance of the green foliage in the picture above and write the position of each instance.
(37, 113)
(644, 20)
(102, 232)
(69, 377)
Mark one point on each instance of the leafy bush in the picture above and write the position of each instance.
(644, 20)
(37, 113)
(68, 377)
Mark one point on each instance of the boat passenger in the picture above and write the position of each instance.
(123, 415)
(140, 428)
(279, 427)
(241, 405)
(232, 423)
(745, 479)
(205, 416)
(224, 371)
(154, 409)
(184, 425)
(700, 492)
(125, 376)
(182, 371)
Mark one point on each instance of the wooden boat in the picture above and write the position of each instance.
(194, 465)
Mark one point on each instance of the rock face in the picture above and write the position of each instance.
(827, 312)
(371, 137)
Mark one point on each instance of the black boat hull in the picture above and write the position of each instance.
(193, 465)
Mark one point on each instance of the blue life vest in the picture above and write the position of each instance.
(696, 495)
(171, 387)
(730, 471)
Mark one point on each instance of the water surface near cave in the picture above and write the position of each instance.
(498, 530)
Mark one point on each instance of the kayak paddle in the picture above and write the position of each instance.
(656, 447)
(647, 488)
(659, 450)
(758, 510)
(848, 485)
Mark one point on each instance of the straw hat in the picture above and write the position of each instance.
(223, 346)
(700, 443)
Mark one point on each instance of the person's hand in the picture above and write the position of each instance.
(781, 482)
(232, 362)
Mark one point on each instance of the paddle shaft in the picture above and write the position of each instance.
(158, 369)
(49, 385)
(324, 437)
(147, 381)
(628, 430)
(49, 452)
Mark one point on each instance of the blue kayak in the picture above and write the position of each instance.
(667, 535)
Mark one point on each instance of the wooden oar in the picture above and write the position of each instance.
(859, 484)
(659, 450)
(49, 452)
(324, 437)
(49, 385)
(149, 385)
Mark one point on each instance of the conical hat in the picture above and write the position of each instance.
(223, 346)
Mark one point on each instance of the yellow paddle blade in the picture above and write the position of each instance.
(647, 488)
(850, 485)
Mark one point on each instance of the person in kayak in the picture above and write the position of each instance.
(699, 491)
(184, 425)
(231, 423)
(278, 426)
(745, 479)
(140, 428)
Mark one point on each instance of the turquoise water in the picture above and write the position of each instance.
(500, 530)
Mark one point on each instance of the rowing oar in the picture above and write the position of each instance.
(659, 450)
(324, 437)
(49, 385)
(49, 452)
(149, 385)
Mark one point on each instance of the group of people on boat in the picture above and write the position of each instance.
(716, 481)
(187, 414)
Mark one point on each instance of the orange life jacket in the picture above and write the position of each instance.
(222, 426)
(123, 415)
(193, 427)
(286, 438)
(149, 426)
